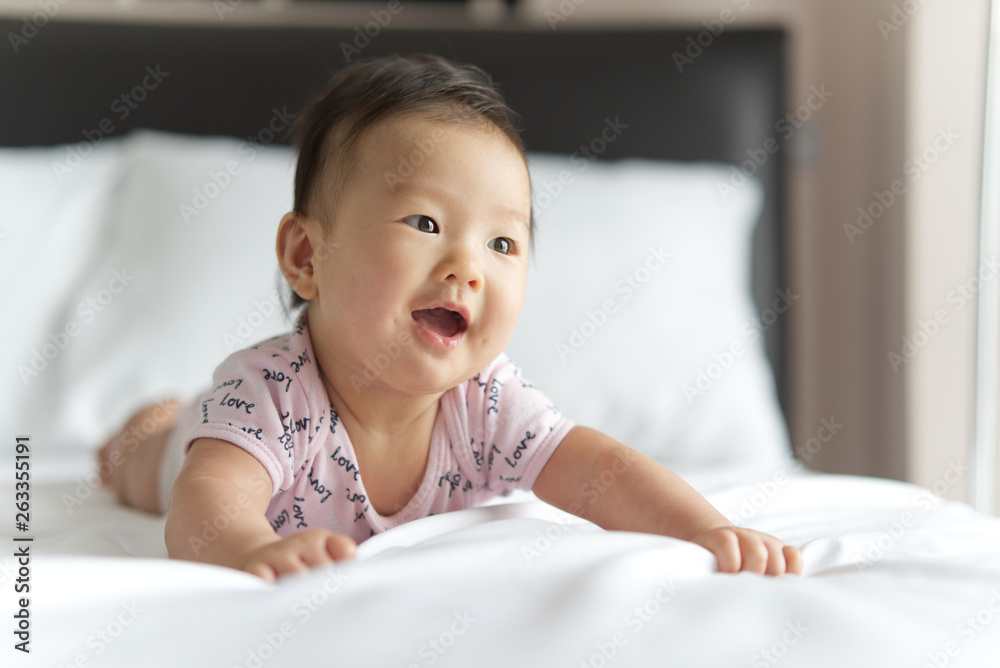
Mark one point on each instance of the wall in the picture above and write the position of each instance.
(945, 68)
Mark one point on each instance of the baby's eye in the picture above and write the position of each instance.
(422, 223)
(502, 245)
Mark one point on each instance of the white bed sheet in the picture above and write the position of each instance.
(894, 577)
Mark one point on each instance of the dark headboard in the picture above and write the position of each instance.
(227, 79)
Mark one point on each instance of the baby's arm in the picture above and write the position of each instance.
(639, 494)
(221, 485)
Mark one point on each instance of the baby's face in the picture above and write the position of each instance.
(427, 257)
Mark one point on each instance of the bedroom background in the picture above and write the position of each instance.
(901, 76)
(900, 73)
(877, 196)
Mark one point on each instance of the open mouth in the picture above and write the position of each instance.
(442, 321)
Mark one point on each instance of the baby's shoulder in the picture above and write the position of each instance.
(259, 355)
(276, 345)
(291, 349)
(496, 374)
(285, 361)
(497, 389)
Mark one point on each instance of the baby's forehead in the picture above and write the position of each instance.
(397, 148)
(422, 133)
(411, 138)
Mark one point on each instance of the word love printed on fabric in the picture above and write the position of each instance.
(492, 434)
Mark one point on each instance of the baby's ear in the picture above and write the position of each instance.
(295, 253)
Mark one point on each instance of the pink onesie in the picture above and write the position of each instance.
(493, 434)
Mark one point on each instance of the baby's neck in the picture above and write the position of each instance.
(380, 423)
(391, 445)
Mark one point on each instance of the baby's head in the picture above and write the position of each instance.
(360, 96)
(412, 221)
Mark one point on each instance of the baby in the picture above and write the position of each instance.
(391, 398)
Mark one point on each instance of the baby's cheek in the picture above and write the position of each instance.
(513, 297)
(379, 284)
(504, 317)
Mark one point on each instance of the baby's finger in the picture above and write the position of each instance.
(319, 548)
(776, 564)
(793, 560)
(312, 550)
(754, 552)
(726, 548)
(261, 570)
(287, 560)
(339, 546)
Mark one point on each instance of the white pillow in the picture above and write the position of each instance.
(172, 237)
(638, 345)
(54, 207)
(179, 260)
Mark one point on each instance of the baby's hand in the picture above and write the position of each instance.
(740, 549)
(298, 553)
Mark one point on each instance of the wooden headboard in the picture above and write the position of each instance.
(68, 83)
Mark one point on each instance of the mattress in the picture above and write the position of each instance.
(894, 576)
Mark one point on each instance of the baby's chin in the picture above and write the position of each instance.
(414, 379)
(409, 365)
(438, 383)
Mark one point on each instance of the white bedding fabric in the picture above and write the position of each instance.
(894, 577)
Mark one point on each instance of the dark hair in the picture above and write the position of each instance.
(372, 90)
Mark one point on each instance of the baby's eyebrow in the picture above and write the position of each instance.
(419, 187)
(519, 217)
(404, 186)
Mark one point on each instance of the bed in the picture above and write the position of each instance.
(134, 230)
